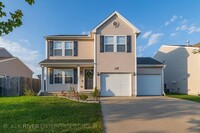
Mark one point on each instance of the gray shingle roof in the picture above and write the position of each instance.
(63, 61)
(147, 61)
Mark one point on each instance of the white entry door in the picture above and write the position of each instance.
(115, 85)
(149, 85)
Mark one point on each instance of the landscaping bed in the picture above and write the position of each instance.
(48, 114)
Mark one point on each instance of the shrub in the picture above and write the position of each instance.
(83, 97)
(96, 93)
(28, 91)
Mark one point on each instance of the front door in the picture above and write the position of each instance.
(88, 79)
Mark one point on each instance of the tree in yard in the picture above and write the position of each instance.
(7, 23)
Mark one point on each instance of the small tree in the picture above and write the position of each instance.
(96, 93)
(15, 19)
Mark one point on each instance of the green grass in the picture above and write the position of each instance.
(48, 114)
(186, 97)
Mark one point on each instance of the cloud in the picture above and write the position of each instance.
(173, 34)
(172, 19)
(146, 34)
(189, 29)
(85, 32)
(154, 38)
(141, 48)
(30, 57)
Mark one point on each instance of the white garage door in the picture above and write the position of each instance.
(115, 85)
(149, 85)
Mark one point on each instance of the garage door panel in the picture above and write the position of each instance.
(149, 85)
(115, 85)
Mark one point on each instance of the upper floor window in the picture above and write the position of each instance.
(64, 48)
(109, 43)
(68, 48)
(57, 48)
(115, 43)
(121, 43)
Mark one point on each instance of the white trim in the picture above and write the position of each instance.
(136, 30)
(95, 61)
(12, 58)
(78, 78)
(47, 78)
(46, 49)
(42, 79)
(135, 42)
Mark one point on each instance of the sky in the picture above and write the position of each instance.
(162, 22)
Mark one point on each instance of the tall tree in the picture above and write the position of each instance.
(9, 22)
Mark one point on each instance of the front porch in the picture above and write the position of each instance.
(67, 76)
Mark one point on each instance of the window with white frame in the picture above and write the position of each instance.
(109, 43)
(63, 76)
(57, 76)
(115, 43)
(57, 48)
(68, 48)
(69, 76)
(121, 43)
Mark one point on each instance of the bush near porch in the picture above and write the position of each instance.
(48, 114)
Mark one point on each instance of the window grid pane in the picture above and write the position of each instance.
(121, 48)
(57, 76)
(68, 45)
(109, 39)
(69, 76)
(121, 40)
(109, 48)
(57, 45)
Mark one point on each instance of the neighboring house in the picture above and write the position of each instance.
(105, 59)
(182, 72)
(12, 66)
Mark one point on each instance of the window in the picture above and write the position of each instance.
(115, 43)
(68, 76)
(121, 43)
(57, 48)
(109, 43)
(63, 76)
(68, 48)
(57, 76)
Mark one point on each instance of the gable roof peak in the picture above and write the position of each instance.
(137, 31)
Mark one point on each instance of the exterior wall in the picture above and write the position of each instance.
(106, 62)
(182, 71)
(149, 71)
(66, 87)
(14, 68)
(85, 51)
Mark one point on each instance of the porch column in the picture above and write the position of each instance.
(42, 79)
(95, 62)
(47, 79)
(78, 76)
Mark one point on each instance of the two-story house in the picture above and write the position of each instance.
(105, 59)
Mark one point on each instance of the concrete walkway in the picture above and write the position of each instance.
(150, 115)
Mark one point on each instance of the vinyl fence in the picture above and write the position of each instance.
(15, 86)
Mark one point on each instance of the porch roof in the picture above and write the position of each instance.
(64, 62)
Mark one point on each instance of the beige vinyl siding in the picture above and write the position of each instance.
(108, 61)
(14, 68)
(182, 67)
(85, 51)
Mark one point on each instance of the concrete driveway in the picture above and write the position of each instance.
(150, 115)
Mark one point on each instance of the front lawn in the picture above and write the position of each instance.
(186, 97)
(48, 114)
